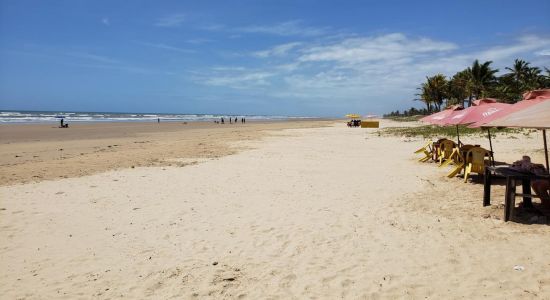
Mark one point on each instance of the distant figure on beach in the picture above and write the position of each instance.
(242, 120)
(230, 120)
(236, 120)
(158, 120)
(222, 121)
(63, 124)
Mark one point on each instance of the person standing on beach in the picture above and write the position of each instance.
(61, 122)
(236, 120)
(222, 121)
(158, 120)
(230, 120)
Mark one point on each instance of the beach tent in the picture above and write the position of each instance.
(536, 115)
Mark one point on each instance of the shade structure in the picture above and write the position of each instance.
(529, 99)
(474, 114)
(536, 115)
(437, 117)
(353, 116)
(481, 109)
(537, 94)
(484, 101)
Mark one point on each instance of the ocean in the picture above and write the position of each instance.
(69, 116)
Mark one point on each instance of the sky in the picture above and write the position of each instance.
(285, 57)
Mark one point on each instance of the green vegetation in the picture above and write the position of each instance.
(429, 131)
(404, 118)
(479, 81)
(476, 82)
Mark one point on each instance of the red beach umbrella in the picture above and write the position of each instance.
(436, 118)
(529, 99)
(536, 115)
(481, 109)
(473, 114)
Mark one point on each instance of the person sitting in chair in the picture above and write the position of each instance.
(540, 186)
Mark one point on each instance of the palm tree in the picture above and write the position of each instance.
(513, 84)
(433, 92)
(483, 77)
(519, 70)
(424, 96)
(533, 79)
(521, 78)
(546, 79)
(460, 87)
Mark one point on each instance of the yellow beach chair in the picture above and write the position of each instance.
(427, 150)
(476, 160)
(458, 159)
(445, 150)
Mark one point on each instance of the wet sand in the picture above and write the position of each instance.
(36, 152)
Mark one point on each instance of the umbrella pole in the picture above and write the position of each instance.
(458, 135)
(491, 146)
(545, 149)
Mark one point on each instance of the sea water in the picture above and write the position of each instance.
(68, 116)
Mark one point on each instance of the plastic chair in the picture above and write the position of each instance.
(446, 148)
(426, 150)
(459, 159)
(476, 161)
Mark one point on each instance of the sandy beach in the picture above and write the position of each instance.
(283, 210)
(36, 152)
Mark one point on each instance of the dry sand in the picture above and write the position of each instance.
(326, 212)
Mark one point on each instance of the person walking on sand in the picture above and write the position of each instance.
(158, 120)
(236, 120)
(230, 120)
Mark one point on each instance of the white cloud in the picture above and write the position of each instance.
(289, 28)
(167, 47)
(525, 45)
(198, 41)
(173, 20)
(367, 49)
(93, 57)
(234, 77)
(279, 50)
(241, 81)
(381, 72)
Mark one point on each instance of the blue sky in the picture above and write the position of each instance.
(317, 58)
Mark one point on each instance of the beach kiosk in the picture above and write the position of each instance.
(370, 122)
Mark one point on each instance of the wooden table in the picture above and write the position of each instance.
(512, 177)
